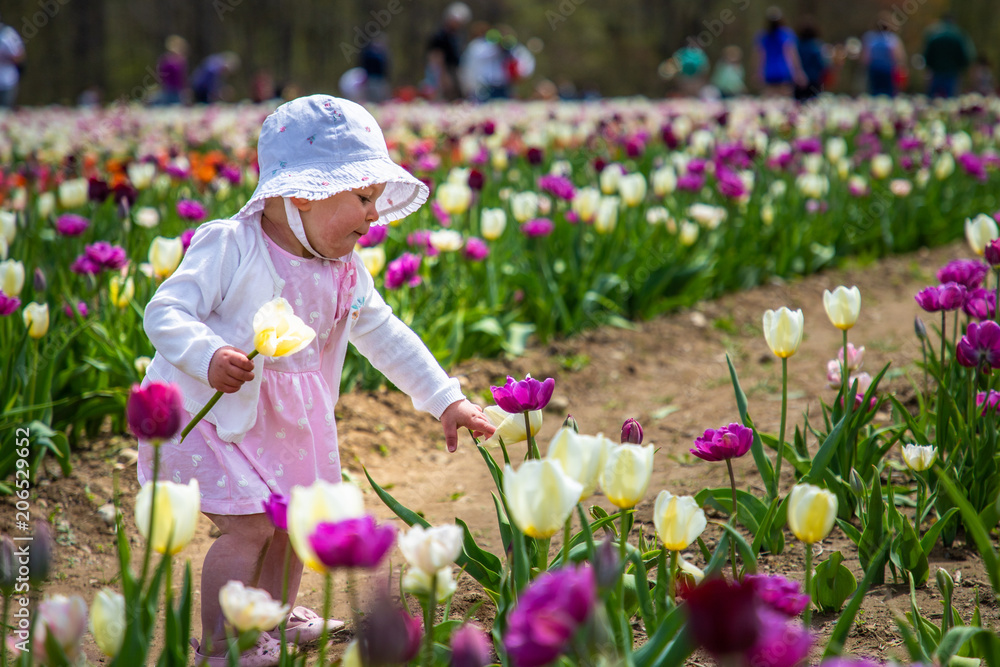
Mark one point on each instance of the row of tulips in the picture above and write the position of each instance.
(545, 219)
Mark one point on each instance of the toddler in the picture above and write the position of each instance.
(325, 178)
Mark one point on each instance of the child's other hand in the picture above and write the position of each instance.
(229, 369)
(464, 414)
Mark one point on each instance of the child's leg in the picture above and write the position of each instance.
(272, 573)
(236, 554)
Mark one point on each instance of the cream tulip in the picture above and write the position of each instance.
(607, 215)
(8, 226)
(446, 240)
(141, 364)
(783, 331)
(978, 232)
(836, 148)
(11, 277)
(688, 233)
(664, 181)
(881, 166)
(165, 255)
(541, 496)
(431, 549)
(175, 517)
(944, 167)
(585, 203)
(510, 427)
(811, 512)
(454, 198)
(418, 582)
(843, 306)
(62, 620)
(36, 318)
(610, 176)
(249, 608)
(107, 621)
(582, 457)
(499, 159)
(919, 457)
(147, 217)
(707, 216)
(73, 193)
(626, 474)
(492, 222)
(120, 292)
(278, 331)
(373, 259)
(632, 189)
(524, 205)
(141, 174)
(309, 506)
(678, 520)
(46, 204)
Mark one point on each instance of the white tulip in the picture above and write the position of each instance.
(431, 549)
(446, 240)
(11, 277)
(141, 174)
(165, 255)
(585, 203)
(492, 222)
(610, 177)
(418, 582)
(632, 189)
(36, 318)
(626, 474)
(74, 192)
(811, 512)
(678, 520)
(309, 506)
(147, 217)
(541, 496)
(249, 608)
(582, 457)
(510, 427)
(607, 215)
(664, 181)
(524, 205)
(978, 232)
(919, 458)
(107, 621)
(175, 516)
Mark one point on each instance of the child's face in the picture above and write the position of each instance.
(333, 225)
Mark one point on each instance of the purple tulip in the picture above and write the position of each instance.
(475, 249)
(992, 253)
(989, 401)
(535, 156)
(728, 442)
(231, 174)
(781, 594)
(631, 432)
(404, 270)
(730, 184)
(847, 661)
(910, 144)
(537, 227)
(973, 166)
(79, 310)
(949, 296)
(189, 209)
(71, 225)
(186, 237)
(98, 190)
(968, 272)
(980, 346)
(722, 617)
(276, 509)
(421, 239)
(476, 178)
(388, 634)
(155, 411)
(558, 186)
(43, 548)
(376, 234)
(980, 303)
(124, 194)
(8, 304)
(469, 647)
(106, 256)
(547, 615)
(357, 542)
(782, 643)
(524, 395)
(442, 216)
(696, 166)
(809, 145)
(690, 182)
(84, 266)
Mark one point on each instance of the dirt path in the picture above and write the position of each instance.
(669, 373)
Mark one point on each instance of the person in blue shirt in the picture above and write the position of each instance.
(814, 62)
(779, 68)
(884, 56)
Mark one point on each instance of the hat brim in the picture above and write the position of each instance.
(403, 193)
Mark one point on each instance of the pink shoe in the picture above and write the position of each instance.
(266, 653)
(305, 625)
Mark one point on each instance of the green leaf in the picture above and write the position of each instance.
(481, 565)
(974, 526)
(756, 448)
(832, 583)
(742, 548)
(410, 517)
(908, 555)
(930, 537)
(843, 626)
(642, 591)
(853, 533)
(873, 539)
(953, 641)
(830, 446)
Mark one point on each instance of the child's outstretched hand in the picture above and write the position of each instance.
(464, 414)
(229, 369)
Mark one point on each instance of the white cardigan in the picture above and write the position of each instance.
(210, 300)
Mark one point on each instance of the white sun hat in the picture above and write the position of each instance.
(314, 147)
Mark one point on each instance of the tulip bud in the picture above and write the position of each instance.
(39, 281)
(857, 484)
(570, 423)
(992, 253)
(607, 565)
(811, 512)
(945, 584)
(388, 636)
(155, 411)
(631, 432)
(42, 550)
(107, 621)
(8, 566)
(469, 647)
(920, 328)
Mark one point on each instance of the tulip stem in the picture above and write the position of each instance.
(843, 372)
(429, 610)
(781, 431)
(566, 530)
(920, 503)
(807, 613)
(286, 570)
(532, 446)
(208, 406)
(32, 378)
(327, 598)
(996, 299)
(732, 543)
(672, 577)
(152, 511)
(943, 314)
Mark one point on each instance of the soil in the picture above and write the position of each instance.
(669, 373)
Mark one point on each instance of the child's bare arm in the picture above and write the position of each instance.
(467, 415)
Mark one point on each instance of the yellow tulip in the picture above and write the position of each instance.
(582, 457)
(944, 167)
(678, 520)
(454, 197)
(499, 159)
(373, 259)
(510, 426)
(811, 512)
(980, 231)
(121, 293)
(74, 192)
(783, 331)
(541, 496)
(11, 277)
(107, 621)
(174, 518)
(278, 331)
(165, 255)
(492, 223)
(626, 474)
(842, 306)
(36, 318)
(309, 506)
(632, 188)
(919, 458)
(249, 608)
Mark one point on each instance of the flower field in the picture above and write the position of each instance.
(549, 222)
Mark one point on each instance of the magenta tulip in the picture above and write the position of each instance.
(992, 253)
(71, 225)
(968, 272)
(728, 442)
(188, 209)
(980, 303)
(988, 401)
(537, 227)
(980, 346)
(949, 296)
(155, 411)
(781, 594)
(376, 234)
(523, 396)
(557, 186)
(782, 643)
(631, 432)
(470, 647)
(475, 249)
(276, 509)
(404, 270)
(8, 304)
(357, 542)
(106, 256)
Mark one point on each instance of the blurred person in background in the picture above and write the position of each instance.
(11, 63)
(948, 52)
(208, 83)
(814, 63)
(171, 70)
(730, 75)
(375, 63)
(884, 58)
(778, 69)
(444, 52)
(692, 69)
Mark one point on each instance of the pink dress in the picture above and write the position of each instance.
(294, 441)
